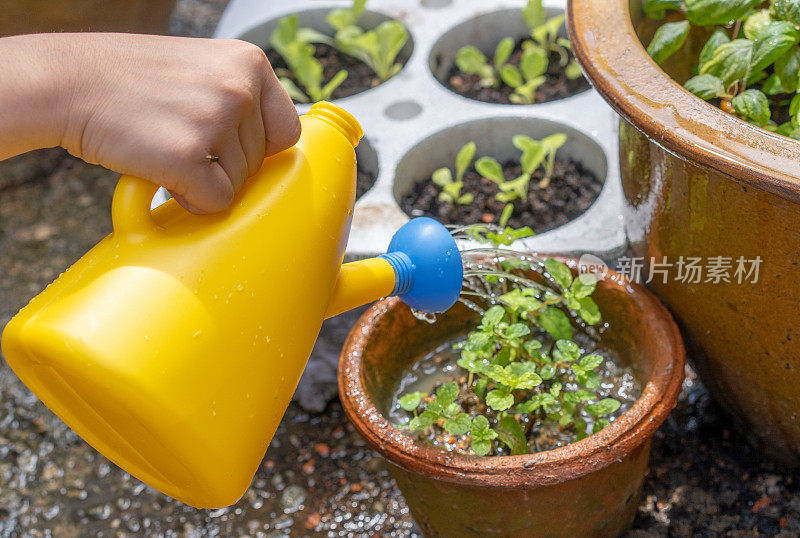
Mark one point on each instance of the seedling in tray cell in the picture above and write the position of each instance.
(296, 47)
(534, 58)
(378, 48)
(443, 177)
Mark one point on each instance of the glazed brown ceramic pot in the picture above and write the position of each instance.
(589, 488)
(701, 183)
(34, 16)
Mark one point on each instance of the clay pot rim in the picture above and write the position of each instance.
(618, 66)
(632, 429)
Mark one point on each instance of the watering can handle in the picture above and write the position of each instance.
(130, 207)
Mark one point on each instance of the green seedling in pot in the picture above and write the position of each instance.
(535, 153)
(545, 35)
(378, 48)
(750, 64)
(296, 47)
(470, 59)
(521, 369)
(534, 60)
(451, 189)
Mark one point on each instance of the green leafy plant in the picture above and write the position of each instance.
(296, 47)
(524, 371)
(535, 153)
(451, 189)
(749, 65)
(526, 77)
(378, 48)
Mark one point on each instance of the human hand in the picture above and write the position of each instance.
(197, 116)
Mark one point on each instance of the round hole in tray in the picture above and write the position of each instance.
(315, 18)
(402, 110)
(485, 32)
(492, 137)
(435, 4)
(367, 159)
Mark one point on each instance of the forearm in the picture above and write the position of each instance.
(35, 91)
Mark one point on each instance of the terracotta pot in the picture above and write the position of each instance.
(34, 16)
(702, 183)
(589, 488)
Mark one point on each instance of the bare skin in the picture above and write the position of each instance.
(197, 116)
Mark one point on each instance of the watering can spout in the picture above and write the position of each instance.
(422, 266)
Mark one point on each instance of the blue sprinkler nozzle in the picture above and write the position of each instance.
(427, 265)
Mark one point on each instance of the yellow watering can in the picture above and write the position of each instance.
(174, 345)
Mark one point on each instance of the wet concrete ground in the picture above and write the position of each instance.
(318, 478)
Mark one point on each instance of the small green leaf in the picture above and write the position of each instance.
(447, 393)
(411, 401)
(424, 420)
(656, 9)
(667, 40)
(533, 63)
(590, 362)
(442, 177)
(471, 60)
(511, 76)
(705, 86)
(458, 425)
(717, 39)
(573, 70)
(583, 286)
(730, 61)
(560, 272)
(722, 12)
(517, 330)
(499, 400)
(533, 13)
(787, 68)
(599, 424)
(772, 42)
(503, 51)
(756, 23)
(340, 18)
(493, 316)
(589, 311)
(555, 322)
(566, 351)
(752, 106)
(333, 83)
(604, 407)
(464, 157)
(508, 210)
(510, 433)
(547, 372)
(491, 169)
(532, 157)
(480, 447)
(293, 91)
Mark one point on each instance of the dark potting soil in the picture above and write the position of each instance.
(571, 191)
(557, 86)
(364, 182)
(360, 77)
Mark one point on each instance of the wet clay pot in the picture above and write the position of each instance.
(588, 488)
(701, 183)
(35, 16)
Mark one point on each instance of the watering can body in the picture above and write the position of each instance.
(174, 346)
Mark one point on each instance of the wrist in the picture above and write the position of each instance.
(36, 100)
